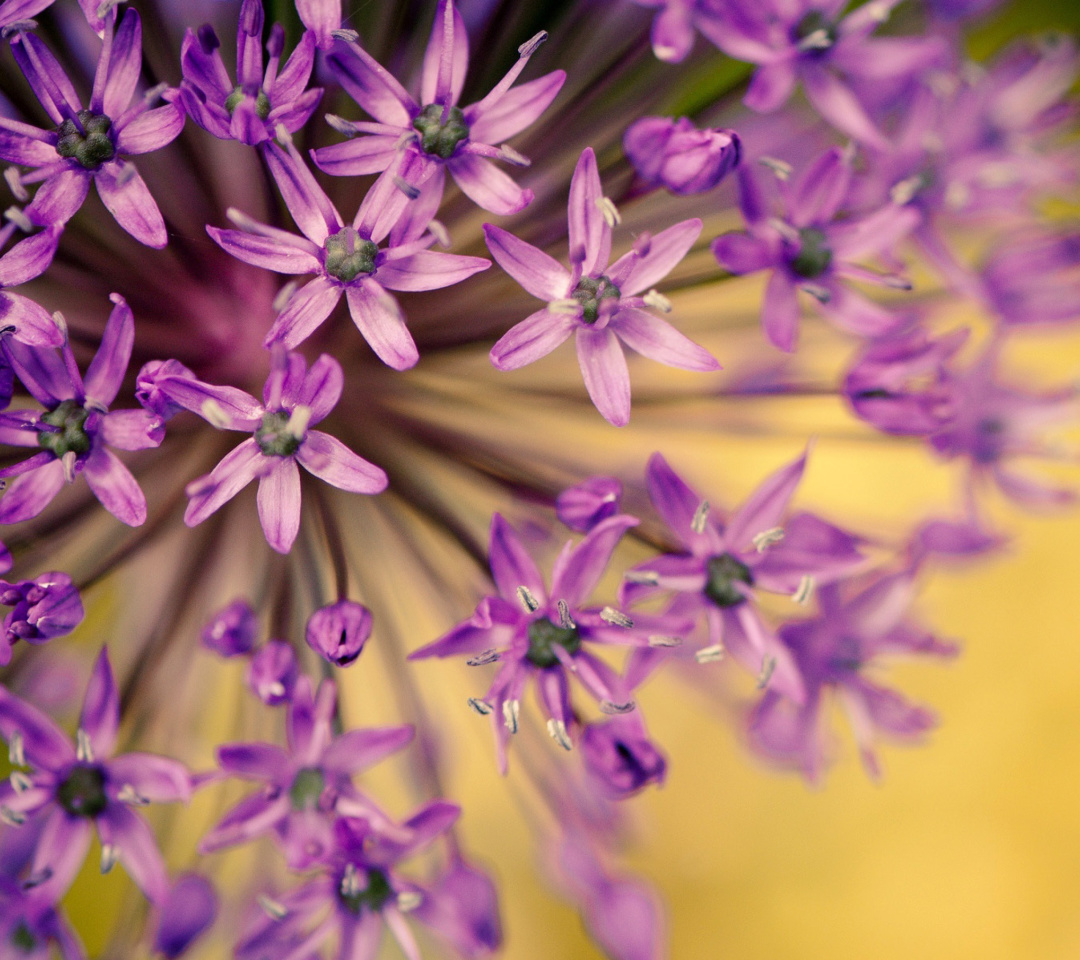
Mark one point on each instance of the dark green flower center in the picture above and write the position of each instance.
(438, 136)
(273, 436)
(989, 440)
(70, 434)
(591, 293)
(724, 570)
(91, 146)
(812, 23)
(544, 636)
(347, 255)
(82, 793)
(262, 102)
(814, 256)
(22, 939)
(373, 896)
(307, 787)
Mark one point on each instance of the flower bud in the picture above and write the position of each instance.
(273, 672)
(231, 632)
(582, 507)
(675, 154)
(620, 758)
(338, 632)
(46, 607)
(189, 910)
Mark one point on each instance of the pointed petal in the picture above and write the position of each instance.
(279, 504)
(534, 337)
(607, 379)
(61, 849)
(379, 319)
(516, 109)
(236, 470)
(44, 743)
(268, 252)
(31, 493)
(590, 236)
(330, 460)
(306, 309)
(115, 487)
(487, 186)
(154, 778)
(127, 198)
(818, 193)
(766, 506)
(125, 64)
(539, 274)
(446, 59)
(357, 157)
(151, 130)
(780, 312)
(577, 572)
(29, 258)
(310, 207)
(511, 565)
(107, 369)
(59, 197)
(371, 85)
(356, 750)
(659, 340)
(839, 106)
(100, 717)
(666, 250)
(30, 324)
(132, 837)
(429, 270)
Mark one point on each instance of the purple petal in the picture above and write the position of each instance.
(741, 253)
(273, 672)
(780, 312)
(766, 506)
(839, 106)
(125, 64)
(534, 337)
(189, 910)
(355, 158)
(61, 850)
(357, 750)
(33, 326)
(672, 34)
(873, 234)
(279, 504)
(446, 59)
(240, 408)
(113, 484)
(771, 86)
(44, 743)
(583, 506)
(20, 143)
(292, 82)
(538, 273)
(132, 429)
(854, 312)
(151, 130)
(371, 85)
(310, 207)
(107, 369)
(133, 839)
(603, 366)
(250, 817)
(153, 778)
(817, 194)
(100, 717)
(677, 504)
(306, 309)
(511, 565)
(254, 761)
(666, 250)
(590, 236)
(330, 460)
(127, 198)
(379, 319)
(338, 631)
(429, 270)
(491, 627)
(29, 258)
(487, 186)
(321, 387)
(659, 340)
(577, 572)
(268, 252)
(59, 197)
(515, 110)
(31, 493)
(236, 470)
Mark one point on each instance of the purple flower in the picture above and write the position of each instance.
(674, 25)
(231, 632)
(838, 650)
(726, 563)
(189, 911)
(30, 925)
(86, 143)
(295, 399)
(540, 635)
(21, 317)
(1034, 279)
(436, 130)
(308, 784)
(338, 632)
(43, 608)
(675, 154)
(810, 250)
(463, 906)
(251, 109)
(76, 430)
(347, 259)
(74, 786)
(620, 758)
(583, 506)
(601, 305)
(273, 672)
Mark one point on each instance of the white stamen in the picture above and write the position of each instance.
(15, 185)
(37, 879)
(528, 601)
(529, 47)
(95, 406)
(510, 155)
(904, 191)
(282, 135)
(298, 420)
(61, 323)
(155, 93)
(701, 514)
(482, 707)
(511, 714)
(20, 219)
(894, 282)
(343, 33)
(409, 900)
(129, 795)
(957, 196)
(816, 40)
(664, 640)
(481, 659)
(609, 211)
(785, 229)
(780, 168)
(656, 300)
(350, 882)
(819, 293)
(762, 541)
(12, 818)
(648, 577)
(275, 689)
(406, 188)
(16, 750)
(345, 127)
(84, 750)
(110, 854)
(273, 909)
(614, 709)
(241, 220)
(557, 729)
(565, 620)
(67, 462)
(18, 26)
(878, 10)
(438, 230)
(105, 6)
(806, 589)
(214, 414)
(20, 782)
(284, 295)
(710, 654)
(566, 306)
(768, 665)
(615, 617)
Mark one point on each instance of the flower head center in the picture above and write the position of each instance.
(724, 572)
(22, 939)
(262, 102)
(590, 293)
(544, 636)
(274, 437)
(69, 435)
(814, 255)
(989, 440)
(91, 145)
(82, 792)
(373, 896)
(347, 255)
(307, 787)
(441, 130)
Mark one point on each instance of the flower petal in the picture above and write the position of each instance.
(29, 258)
(131, 837)
(115, 487)
(510, 563)
(46, 746)
(379, 319)
(429, 270)
(151, 130)
(603, 366)
(446, 58)
(279, 504)
(515, 110)
(487, 186)
(371, 85)
(356, 750)
(666, 250)
(132, 429)
(154, 778)
(306, 309)
(534, 337)
(659, 340)
(127, 198)
(780, 312)
(766, 506)
(539, 274)
(330, 460)
(235, 471)
(309, 205)
(268, 252)
(107, 369)
(31, 493)
(590, 235)
(577, 572)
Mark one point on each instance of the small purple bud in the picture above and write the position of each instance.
(276, 43)
(148, 389)
(620, 757)
(189, 910)
(338, 632)
(231, 632)
(273, 672)
(582, 507)
(675, 154)
(47, 607)
(208, 39)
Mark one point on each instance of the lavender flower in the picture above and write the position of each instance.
(600, 305)
(435, 130)
(273, 673)
(45, 607)
(584, 506)
(676, 155)
(231, 632)
(75, 785)
(87, 143)
(338, 632)
(252, 109)
(77, 428)
(188, 911)
(620, 757)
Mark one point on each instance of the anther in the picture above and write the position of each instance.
(298, 421)
(768, 665)
(409, 900)
(20, 782)
(565, 620)
(105, 6)
(406, 188)
(530, 46)
(438, 230)
(110, 854)
(780, 169)
(820, 294)
(18, 26)
(129, 795)
(806, 589)
(710, 654)
(14, 181)
(482, 707)
(656, 300)
(282, 135)
(276, 689)
(214, 414)
(615, 617)
(16, 216)
(701, 514)
(648, 577)
(273, 909)
(557, 730)
(511, 714)
(817, 40)
(155, 93)
(609, 211)
(350, 881)
(664, 640)
(284, 295)
(16, 750)
(84, 750)
(12, 818)
(345, 127)
(343, 33)
(614, 709)
(37, 879)
(528, 601)
(767, 538)
(904, 191)
(510, 155)
(482, 659)
(565, 306)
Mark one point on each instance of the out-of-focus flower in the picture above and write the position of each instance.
(187, 913)
(273, 672)
(676, 155)
(338, 632)
(583, 506)
(232, 631)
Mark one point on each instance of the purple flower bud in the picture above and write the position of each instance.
(41, 609)
(148, 386)
(675, 154)
(273, 672)
(463, 906)
(337, 633)
(582, 507)
(231, 631)
(189, 910)
(620, 757)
